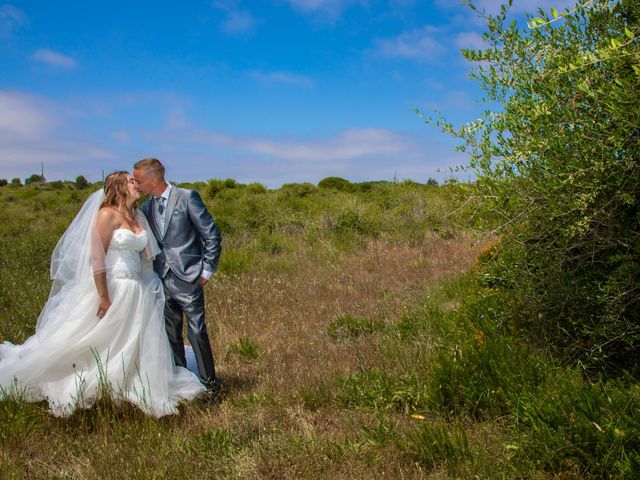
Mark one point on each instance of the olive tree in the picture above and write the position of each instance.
(558, 162)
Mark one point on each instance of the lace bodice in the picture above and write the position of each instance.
(123, 255)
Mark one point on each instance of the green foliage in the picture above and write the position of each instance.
(348, 326)
(558, 163)
(297, 189)
(480, 368)
(215, 186)
(377, 389)
(217, 443)
(3, 182)
(35, 178)
(235, 261)
(81, 182)
(437, 444)
(244, 349)
(56, 185)
(567, 421)
(199, 186)
(337, 183)
(16, 182)
(256, 188)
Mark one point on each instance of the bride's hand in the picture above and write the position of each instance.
(103, 306)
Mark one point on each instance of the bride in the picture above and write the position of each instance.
(101, 332)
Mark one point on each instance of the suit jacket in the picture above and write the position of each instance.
(190, 241)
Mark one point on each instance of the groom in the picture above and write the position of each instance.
(189, 252)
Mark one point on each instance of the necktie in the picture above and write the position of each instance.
(160, 201)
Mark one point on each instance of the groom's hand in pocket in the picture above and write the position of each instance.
(202, 281)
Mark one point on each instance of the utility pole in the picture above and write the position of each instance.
(42, 170)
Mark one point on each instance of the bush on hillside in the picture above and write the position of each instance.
(337, 183)
(35, 178)
(215, 186)
(81, 182)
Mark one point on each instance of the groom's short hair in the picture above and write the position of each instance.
(151, 166)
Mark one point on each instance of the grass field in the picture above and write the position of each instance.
(354, 339)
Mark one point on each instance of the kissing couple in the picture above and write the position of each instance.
(123, 279)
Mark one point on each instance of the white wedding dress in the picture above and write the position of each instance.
(75, 358)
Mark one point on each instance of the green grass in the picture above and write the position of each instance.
(448, 387)
(244, 349)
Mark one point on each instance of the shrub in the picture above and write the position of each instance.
(35, 178)
(559, 164)
(256, 188)
(81, 182)
(16, 182)
(199, 186)
(432, 182)
(337, 183)
(3, 182)
(300, 190)
(215, 186)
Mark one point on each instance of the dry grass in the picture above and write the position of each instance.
(287, 313)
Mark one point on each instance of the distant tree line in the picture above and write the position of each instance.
(80, 182)
(215, 185)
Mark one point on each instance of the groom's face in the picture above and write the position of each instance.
(146, 182)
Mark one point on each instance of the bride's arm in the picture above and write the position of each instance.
(104, 229)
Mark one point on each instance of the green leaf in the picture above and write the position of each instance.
(615, 43)
(554, 12)
(629, 33)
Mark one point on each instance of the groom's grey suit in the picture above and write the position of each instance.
(189, 243)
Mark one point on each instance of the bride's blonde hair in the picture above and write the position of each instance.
(116, 193)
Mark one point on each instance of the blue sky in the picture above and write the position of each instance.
(273, 91)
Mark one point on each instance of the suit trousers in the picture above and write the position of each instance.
(188, 298)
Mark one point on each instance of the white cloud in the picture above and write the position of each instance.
(24, 117)
(327, 9)
(283, 77)
(236, 21)
(518, 7)
(470, 40)
(11, 18)
(357, 154)
(527, 6)
(54, 59)
(121, 136)
(419, 44)
(177, 119)
(347, 145)
(34, 130)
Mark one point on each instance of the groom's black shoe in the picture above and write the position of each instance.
(214, 390)
(213, 386)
